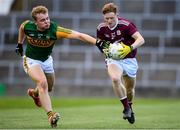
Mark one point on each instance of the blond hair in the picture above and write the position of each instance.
(38, 9)
(110, 7)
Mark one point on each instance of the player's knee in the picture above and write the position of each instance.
(42, 85)
(130, 91)
(115, 79)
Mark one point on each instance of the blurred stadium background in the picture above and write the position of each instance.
(79, 67)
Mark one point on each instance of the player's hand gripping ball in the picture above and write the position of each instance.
(119, 51)
(114, 51)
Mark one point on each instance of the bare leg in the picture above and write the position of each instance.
(115, 74)
(38, 76)
(130, 87)
(50, 79)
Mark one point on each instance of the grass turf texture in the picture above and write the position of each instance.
(90, 113)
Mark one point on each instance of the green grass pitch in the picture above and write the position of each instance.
(90, 113)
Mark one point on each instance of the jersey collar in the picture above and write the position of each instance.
(114, 25)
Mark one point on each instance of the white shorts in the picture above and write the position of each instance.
(128, 65)
(47, 65)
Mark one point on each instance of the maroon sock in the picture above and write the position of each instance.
(125, 103)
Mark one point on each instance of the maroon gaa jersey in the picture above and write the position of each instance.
(122, 31)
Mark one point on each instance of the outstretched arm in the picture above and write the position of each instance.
(71, 34)
(101, 44)
(82, 36)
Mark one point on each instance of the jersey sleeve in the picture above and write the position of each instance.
(23, 24)
(63, 32)
(131, 29)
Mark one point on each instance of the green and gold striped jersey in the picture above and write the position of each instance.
(40, 43)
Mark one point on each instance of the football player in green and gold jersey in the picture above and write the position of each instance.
(40, 35)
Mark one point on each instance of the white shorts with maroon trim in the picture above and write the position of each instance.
(128, 65)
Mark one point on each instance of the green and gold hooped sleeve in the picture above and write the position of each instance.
(62, 32)
(23, 24)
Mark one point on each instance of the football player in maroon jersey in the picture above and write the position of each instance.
(122, 72)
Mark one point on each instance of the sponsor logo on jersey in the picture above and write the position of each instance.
(40, 35)
(32, 35)
(40, 42)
